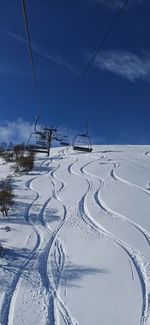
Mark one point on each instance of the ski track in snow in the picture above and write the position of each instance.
(122, 180)
(60, 262)
(139, 261)
(32, 254)
(50, 250)
(58, 250)
(11, 294)
(50, 283)
(12, 289)
(147, 153)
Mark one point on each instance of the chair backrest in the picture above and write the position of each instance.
(82, 149)
(82, 142)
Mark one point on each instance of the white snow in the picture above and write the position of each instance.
(78, 250)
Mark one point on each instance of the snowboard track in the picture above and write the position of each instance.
(55, 252)
(140, 263)
(11, 294)
(10, 291)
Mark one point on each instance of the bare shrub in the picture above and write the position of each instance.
(24, 163)
(8, 156)
(19, 150)
(6, 195)
(1, 250)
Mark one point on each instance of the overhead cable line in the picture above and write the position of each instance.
(31, 56)
(104, 38)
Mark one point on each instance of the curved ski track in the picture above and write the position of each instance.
(10, 292)
(140, 263)
(117, 178)
(147, 153)
(50, 249)
(122, 180)
(49, 284)
(48, 281)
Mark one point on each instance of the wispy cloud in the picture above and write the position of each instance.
(17, 131)
(53, 57)
(114, 3)
(125, 64)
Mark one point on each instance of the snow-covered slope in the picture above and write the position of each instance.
(78, 250)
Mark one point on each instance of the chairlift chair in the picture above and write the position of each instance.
(82, 142)
(42, 136)
(36, 145)
(64, 141)
(56, 136)
(39, 141)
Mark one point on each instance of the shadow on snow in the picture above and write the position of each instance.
(73, 274)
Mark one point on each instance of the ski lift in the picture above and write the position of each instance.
(39, 141)
(82, 142)
(56, 136)
(64, 141)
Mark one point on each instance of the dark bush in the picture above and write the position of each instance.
(8, 156)
(6, 195)
(19, 150)
(24, 163)
(1, 250)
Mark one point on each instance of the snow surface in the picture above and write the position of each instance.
(78, 250)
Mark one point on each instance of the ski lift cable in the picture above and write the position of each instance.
(106, 35)
(86, 71)
(36, 94)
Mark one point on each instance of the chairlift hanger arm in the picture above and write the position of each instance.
(87, 128)
(35, 126)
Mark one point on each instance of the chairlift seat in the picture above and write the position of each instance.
(40, 140)
(32, 147)
(83, 135)
(36, 145)
(78, 148)
(56, 138)
(82, 142)
(37, 150)
(42, 137)
(63, 143)
(42, 143)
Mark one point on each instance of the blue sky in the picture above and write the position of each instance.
(113, 98)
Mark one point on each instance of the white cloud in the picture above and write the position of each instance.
(16, 131)
(125, 64)
(53, 57)
(19, 131)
